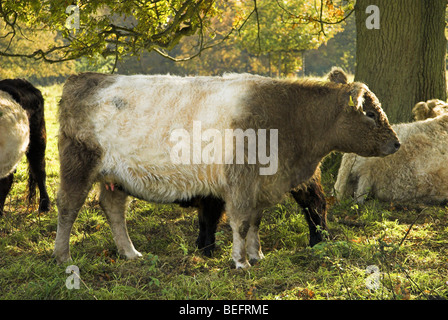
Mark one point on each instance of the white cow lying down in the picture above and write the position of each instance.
(417, 173)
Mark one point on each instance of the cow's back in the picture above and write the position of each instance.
(137, 114)
(132, 119)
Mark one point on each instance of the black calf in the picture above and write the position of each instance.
(310, 197)
(312, 200)
(32, 101)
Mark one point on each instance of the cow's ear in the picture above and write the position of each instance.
(356, 96)
(420, 111)
(337, 75)
(434, 103)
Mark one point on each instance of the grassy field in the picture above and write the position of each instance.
(407, 247)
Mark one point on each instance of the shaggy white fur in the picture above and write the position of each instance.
(137, 155)
(416, 173)
(14, 134)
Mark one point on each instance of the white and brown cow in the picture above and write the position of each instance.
(119, 130)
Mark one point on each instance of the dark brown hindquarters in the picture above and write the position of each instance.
(77, 174)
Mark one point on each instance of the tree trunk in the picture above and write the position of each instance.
(402, 62)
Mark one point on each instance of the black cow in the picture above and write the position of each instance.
(309, 196)
(31, 100)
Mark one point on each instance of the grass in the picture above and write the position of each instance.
(408, 246)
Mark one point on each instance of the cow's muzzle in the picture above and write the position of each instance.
(390, 148)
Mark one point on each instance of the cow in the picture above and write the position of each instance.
(132, 131)
(30, 99)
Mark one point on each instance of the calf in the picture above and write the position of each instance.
(31, 101)
(124, 129)
(310, 196)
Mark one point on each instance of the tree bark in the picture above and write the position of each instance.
(402, 62)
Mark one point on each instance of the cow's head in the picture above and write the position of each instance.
(363, 127)
(429, 109)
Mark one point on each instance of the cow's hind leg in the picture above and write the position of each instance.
(114, 204)
(77, 174)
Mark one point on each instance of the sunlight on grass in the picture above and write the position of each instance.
(410, 253)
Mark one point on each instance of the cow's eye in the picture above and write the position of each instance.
(371, 115)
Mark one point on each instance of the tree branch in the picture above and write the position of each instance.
(258, 26)
(309, 19)
(130, 39)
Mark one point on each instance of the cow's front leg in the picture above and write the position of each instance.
(242, 221)
(253, 244)
(240, 229)
(114, 204)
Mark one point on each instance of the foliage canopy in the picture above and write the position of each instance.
(59, 30)
(105, 27)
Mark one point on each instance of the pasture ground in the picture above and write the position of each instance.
(405, 246)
